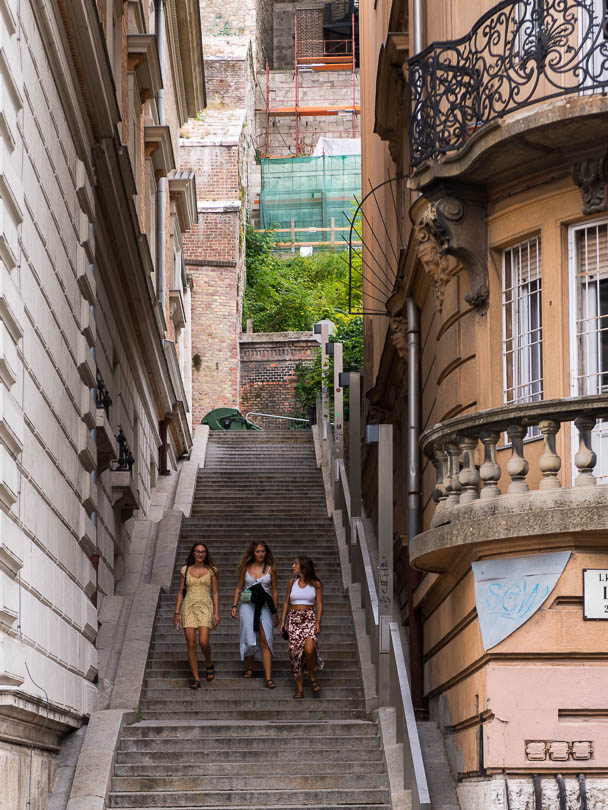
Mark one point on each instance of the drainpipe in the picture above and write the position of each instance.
(413, 497)
(161, 191)
(419, 25)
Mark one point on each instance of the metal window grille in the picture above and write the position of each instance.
(589, 260)
(522, 323)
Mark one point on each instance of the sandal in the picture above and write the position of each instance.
(298, 695)
(270, 684)
(210, 672)
(195, 685)
(316, 687)
(248, 673)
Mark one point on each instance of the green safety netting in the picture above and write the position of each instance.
(310, 191)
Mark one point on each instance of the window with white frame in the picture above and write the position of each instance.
(588, 257)
(522, 322)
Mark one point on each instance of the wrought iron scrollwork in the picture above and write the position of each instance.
(519, 53)
(126, 459)
(102, 395)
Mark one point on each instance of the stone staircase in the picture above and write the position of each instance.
(234, 743)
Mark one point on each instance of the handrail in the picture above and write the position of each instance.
(362, 572)
(368, 570)
(275, 416)
(415, 775)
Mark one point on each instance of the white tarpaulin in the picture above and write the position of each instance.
(337, 146)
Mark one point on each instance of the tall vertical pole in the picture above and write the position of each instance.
(338, 414)
(324, 391)
(267, 109)
(295, 62)
(385, 558)
(354, 432)
(354, 83)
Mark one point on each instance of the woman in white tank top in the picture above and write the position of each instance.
(304, 601)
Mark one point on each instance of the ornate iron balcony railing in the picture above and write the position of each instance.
(519, 53)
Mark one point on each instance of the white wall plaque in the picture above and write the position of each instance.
(595, 593)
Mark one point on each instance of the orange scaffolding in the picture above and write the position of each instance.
(327, 60)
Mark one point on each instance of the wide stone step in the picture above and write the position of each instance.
(349, 805)
(235, 668)
(171, 767)
(280, 782)
(152, 752)
(349, 797)
(303, 712)
(218, 690)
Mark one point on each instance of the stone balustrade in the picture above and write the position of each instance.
(452, 446)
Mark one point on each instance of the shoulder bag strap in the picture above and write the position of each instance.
(185, 588)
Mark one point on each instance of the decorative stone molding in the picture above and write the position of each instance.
(591, 176)
(398, 334)
(391, 94)
(182, 188)
(376, 415)
(143, 61)
(158, 146)
(453, 226)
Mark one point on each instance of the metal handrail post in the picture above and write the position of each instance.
(324, 390)
(354, 432)
(338, 417)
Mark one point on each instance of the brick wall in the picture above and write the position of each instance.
(268, 362)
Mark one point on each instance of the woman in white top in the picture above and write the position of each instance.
(257, 568)
(303, 625)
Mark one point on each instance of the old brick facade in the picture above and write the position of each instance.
(268, 362)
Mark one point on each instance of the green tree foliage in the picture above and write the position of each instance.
(293, 294)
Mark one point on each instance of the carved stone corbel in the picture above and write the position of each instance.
(455, 227)
(591, 176)
(376, 415)
(398, 334)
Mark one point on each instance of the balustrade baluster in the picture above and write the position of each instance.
(517, 466)
(441, 463)
(490, 470)
(549, 463)
(452, 482)
(469, 475)
(585, 459)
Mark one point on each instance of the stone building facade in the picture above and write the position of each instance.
(95, 338)
(494, 294)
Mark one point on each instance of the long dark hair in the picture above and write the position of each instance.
(208, 561)
(249, 557)
(307, 570)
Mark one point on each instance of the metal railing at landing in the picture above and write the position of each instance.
(364, 573)
(276, 422)
(520, 53)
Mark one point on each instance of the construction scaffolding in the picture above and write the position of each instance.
(306, 200)
(318, 56)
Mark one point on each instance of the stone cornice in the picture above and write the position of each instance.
(186, 50)
(143, 61)
(182, 188)
(158, 146)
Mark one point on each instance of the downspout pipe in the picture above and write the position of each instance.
(419, 25)
(161, 190)
(413, 494)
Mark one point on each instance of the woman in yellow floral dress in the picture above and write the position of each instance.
(197, 608)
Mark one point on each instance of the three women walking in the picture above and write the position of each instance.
(255, 597)
(197, 609)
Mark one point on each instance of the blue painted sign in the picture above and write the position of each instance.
(509, 591)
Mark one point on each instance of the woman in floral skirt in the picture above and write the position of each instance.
(304, 601)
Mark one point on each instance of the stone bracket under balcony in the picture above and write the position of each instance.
(107, 446)
(125, 496)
